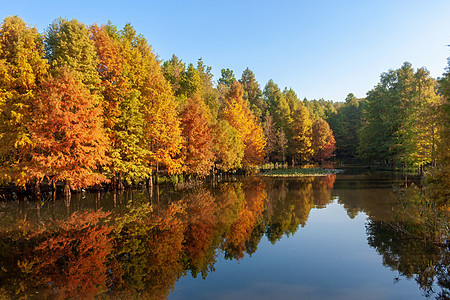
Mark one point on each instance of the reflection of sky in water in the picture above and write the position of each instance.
(329, 258)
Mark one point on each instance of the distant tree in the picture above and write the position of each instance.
(252, 93)
(209, 94)
(173, 71)
(291, 99)
(277, 105)
(323, 142)
(190, 82)
(227, 78)
(300, 146)
(228, 146)
(239, 115)
(345, 124)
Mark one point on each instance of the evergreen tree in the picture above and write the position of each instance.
(67, 43)
(252, 93)
(277, 105)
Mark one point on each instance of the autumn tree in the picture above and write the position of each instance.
(162, 133)
(22, 67)
(123, 119)
(239, 116)
(228, 146)
(301, 130)
(69, 140)
(323, 143)
(209, 93)
(197, 148)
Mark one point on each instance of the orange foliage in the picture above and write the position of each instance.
(70, 142)
(323, 142)
(200, 229)
(165, 251)
(72, 259)
(110, 68)
(249, 216)
(198, 141)
(240, 117)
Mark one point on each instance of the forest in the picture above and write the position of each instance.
(85, 105)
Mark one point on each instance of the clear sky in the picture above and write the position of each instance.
(321, 49)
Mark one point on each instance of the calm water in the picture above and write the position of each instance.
(329, 237)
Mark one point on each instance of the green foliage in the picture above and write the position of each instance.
(399, 125)
(252, 93)
(67, 44)
(227, 78)
(300, 172)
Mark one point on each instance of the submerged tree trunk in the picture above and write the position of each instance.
(67, 192)
(37, 189)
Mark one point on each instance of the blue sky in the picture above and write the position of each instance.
(321, 49)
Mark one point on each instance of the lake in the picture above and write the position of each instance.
(331, 237)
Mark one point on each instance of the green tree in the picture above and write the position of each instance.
(67, 43)
(162, 133)
(277, 105)
(209, 93)
(227, 78)
(252, 93)
(173, 70)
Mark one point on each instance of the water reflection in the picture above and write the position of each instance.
(140, 243)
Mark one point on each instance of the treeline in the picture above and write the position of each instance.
(403, 121)
(83, 105)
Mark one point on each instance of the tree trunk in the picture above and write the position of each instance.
(37, 189)
(67, 188)
(119, 182)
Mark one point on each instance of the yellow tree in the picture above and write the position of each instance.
(301, 129)
(237, 113)
(21, 68)
(123, 119)
(162, 133)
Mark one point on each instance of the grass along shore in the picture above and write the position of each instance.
(300, 172)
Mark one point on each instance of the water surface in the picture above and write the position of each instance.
(328, 237)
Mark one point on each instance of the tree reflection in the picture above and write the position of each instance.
(412, 240)
(427, 263)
